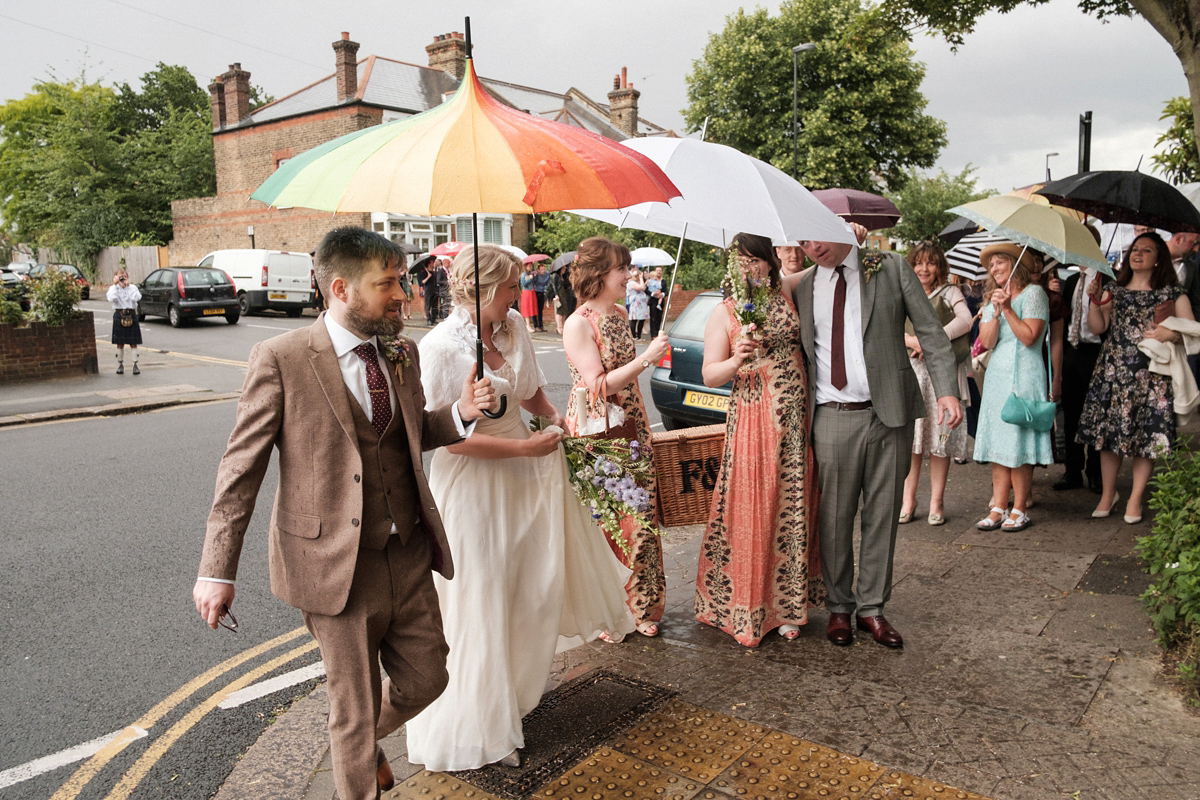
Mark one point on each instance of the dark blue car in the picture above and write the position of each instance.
(676, 386)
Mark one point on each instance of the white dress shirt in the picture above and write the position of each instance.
(1081, 302)
(126, 296)
(856, 389)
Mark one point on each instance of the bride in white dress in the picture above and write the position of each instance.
(530, 565)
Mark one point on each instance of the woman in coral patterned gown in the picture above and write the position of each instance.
(759, 567)
(599, 345)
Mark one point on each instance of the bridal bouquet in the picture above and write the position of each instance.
(608, 476)
(750, 294)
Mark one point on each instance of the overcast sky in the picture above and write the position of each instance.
(1012, 94)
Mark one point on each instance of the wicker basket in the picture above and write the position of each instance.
(687, 462)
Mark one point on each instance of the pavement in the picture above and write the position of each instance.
(1029, 670)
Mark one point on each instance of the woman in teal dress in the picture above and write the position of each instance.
(1013, 326)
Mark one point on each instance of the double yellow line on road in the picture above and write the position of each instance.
(92, 767)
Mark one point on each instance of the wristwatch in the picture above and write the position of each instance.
(645, 364)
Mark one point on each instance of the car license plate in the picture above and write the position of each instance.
(213, 311)
(277, 295)
(716, 402)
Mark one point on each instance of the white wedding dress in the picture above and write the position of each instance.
(529, 563)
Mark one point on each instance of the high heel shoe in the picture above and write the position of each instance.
(789, 632)
(1098, 514)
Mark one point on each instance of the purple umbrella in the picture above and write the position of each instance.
(869, 210)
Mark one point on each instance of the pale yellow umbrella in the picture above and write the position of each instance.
(1028, 193)
(1038, 226)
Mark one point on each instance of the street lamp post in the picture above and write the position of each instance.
(796, 51)
(1048, 157)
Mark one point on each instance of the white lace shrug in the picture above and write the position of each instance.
(448, 354)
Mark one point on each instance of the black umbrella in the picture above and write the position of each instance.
(957, 230)
(1125, 196)
(409, 247)
(420, 264)
(562, 261)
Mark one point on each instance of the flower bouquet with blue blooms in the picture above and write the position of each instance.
(608, 475)
(750, 293)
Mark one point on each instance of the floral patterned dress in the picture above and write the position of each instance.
(647, 587)
(1129, 409)
(759, 566)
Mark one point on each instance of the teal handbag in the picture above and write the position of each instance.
(1037, 415)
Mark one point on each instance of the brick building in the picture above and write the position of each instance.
(250, 145)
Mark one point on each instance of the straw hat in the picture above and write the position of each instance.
(1013, 251)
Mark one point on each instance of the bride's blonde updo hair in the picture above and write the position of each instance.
(495, 266)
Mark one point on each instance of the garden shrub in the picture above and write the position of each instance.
(10, 311)
(53, 297)
(1172, 555)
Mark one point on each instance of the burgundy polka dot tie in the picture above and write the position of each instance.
(381, 402)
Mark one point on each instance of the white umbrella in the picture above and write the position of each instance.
(651, 257)
(964, 256)
(516, 251)
(725, 192)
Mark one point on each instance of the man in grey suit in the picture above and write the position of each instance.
(864, 397)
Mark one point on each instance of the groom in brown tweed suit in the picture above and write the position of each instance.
(354, 531)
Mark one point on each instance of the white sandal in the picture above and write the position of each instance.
(1016, 521)
(989, 524)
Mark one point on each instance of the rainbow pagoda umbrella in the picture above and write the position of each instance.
(468, 155)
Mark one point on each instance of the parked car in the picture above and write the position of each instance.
(676, 385)
(14, 287)
(21, 268)
(183, 293)
(274, 279)
(85, 288)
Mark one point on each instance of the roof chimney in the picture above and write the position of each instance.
(345, 61)
(216, 99)
(623, 105)
(237, 94)
(449, 54)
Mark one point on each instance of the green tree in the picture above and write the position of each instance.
(84, 166)
(1176, 21)
(1180, 161)
(700, 265)
(860, 109)
(923, 201)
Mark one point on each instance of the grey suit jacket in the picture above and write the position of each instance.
(295, 400)
(891, 295)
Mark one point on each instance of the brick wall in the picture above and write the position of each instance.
(43, 351)
(246, 157)
(204, 224)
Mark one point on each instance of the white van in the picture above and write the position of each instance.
(273, 279)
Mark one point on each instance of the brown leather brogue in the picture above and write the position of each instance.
(383, 772)
(881, 630)
(838, 630)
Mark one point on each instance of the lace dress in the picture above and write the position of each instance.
(1129, 410)
(646, 590)
(530, 565)
(759, 564)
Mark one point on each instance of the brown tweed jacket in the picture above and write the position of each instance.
(295, 400)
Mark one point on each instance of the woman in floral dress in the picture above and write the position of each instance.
(1129, 409)
(599, 345)
(759, 568)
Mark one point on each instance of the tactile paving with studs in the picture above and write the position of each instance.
(677, 751)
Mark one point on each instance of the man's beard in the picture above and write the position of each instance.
(382, 326)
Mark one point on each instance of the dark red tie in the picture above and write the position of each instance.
(837, 346)
(381, 401)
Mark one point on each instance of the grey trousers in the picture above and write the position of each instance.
(859, 457)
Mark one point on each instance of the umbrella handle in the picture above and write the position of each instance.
(500, 413)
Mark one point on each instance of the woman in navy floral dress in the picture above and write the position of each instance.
(1129, 409)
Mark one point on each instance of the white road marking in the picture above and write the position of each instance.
(269, 327)
(657, 425)
(243, 696)
(548, 350)
(60, 759)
